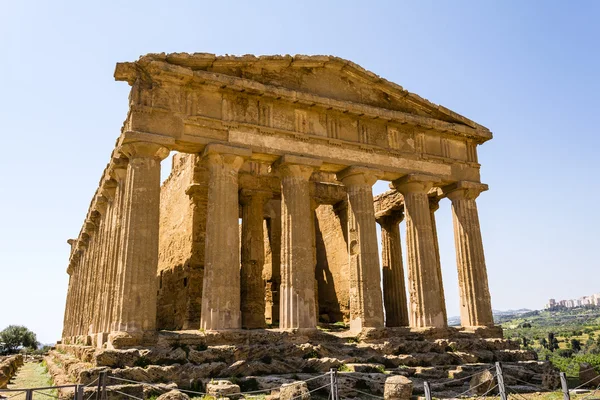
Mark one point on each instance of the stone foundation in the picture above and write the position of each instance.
(265, 359)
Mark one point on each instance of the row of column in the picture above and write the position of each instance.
(113, 269)
(426, 306)
(112, 283)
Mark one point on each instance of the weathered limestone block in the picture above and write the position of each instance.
(222, 388)
(397, 387)
(221, 285)
(332, 270)
(8, 369)
(173, 395)
(366, 301)
(482, 383)
(294, 391)
(426, 309)
(476, 306)
(588, 375)
(181, 244)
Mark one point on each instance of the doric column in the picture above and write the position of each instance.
(118, 172)
(297, 294)
(475, 301)
(221, 285)
(425, 301)
(139, 245)
(434, 205)
(253, 258)
(91, 228)
(366, 302)
(103, 207)
(394, 290)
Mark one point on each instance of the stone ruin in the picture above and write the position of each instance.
(260, 247)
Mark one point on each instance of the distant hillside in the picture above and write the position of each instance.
(499, 316)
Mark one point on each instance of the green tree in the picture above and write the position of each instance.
(575, 345)
(15, 336)
(552, 341)
(544, 343)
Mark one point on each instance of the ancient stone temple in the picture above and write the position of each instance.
(268, 219)
(288, 148)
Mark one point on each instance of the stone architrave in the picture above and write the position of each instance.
(366, 303)
(425, 301)
(434, 205)
(136, 311)
(394, 290)
(297, 295)
(221, 284)
(253, 258)
(475, 301)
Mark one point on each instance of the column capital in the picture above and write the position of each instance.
(216, 153)
(118, 168)
(108, 189)
(144, 150)
(247, 195)
(297, 166)
(464, 190)
(419, 183)
(389, 217)
(357, 175)
(434, 203)
(196, 189)
(99, 206)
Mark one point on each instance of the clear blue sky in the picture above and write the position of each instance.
(527, 70)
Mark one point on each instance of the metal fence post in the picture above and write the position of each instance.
(565, 386)
(500, 377)
(28, 394)
(79, 392)
(427, 389)
(333, 381)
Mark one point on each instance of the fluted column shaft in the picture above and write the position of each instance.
(434, 205)
(103, 205)
(221, 285)
(117, 254)
(297, 307)
(475, 300)
(425, 301)
(394, 290)
(115, 195)
(366, 302)
(253, 259)
(137, 308)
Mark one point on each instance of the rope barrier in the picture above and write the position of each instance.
(472, 375)
(583, 384)
(367, 394)
(92, 382)
(513, 391)
(591, 394)
(45, 394)
(476, 386)
(143, 383)
(540, 388)
(127, 395)
(489, 391)
(14, 395)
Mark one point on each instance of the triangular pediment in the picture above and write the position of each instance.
(325, 76)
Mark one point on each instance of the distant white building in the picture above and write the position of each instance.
(592, 300)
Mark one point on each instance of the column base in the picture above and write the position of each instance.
(124, 340)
